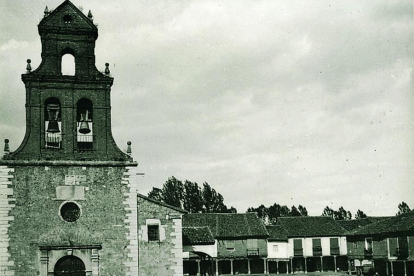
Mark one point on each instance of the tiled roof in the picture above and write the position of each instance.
(197, 235)
(310, 226)
(276, 233)
(228, 225)
(401, 223)
(353, 224)
(162, 204)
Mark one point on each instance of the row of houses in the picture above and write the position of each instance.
(217, 244)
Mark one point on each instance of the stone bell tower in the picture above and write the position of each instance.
(67, 200)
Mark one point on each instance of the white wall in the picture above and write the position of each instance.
(210, 249)
(282, 252)
(325, 243)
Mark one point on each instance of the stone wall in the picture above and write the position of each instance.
(163, 257)
(107, 214)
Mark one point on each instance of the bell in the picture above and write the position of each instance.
(53, 127)
(84, 127)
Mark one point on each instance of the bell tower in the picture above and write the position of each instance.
(68, 202)
(68, 117)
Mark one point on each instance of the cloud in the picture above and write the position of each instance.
(294, 102)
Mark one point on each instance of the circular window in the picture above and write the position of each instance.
(70, 212)
(67, 18)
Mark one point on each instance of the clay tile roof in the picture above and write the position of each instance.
(276, 233)
(228, 225)
(402, 223)
(197, 235)
(311, 226)
(358, 223)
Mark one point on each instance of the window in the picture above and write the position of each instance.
(275, 248)
(334, 246)
(68, 65)
(316, 246)
(153, 232)
(368, 244)
(229, 245)
(67, 19)
(70, 212)
(297, 247)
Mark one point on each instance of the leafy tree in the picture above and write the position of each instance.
(155, 194)
(191, 197)
(191, 200)
(340, 214)
(172, 192)
(328, 212)
(294, 212)
(403, 208)
(271, 213)
(262, 212)
(232, 210)
(360, 214)
(303, 211)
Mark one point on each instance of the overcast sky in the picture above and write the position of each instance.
(293, 102)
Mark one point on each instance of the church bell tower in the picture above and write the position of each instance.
(67, 195)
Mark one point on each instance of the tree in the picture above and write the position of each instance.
(270, 214)
(155, 194)
(403, 208)
(340, 214)
(191, 200)
(294, 212)
(328, 212)
(303, 211)
(191, 197)
(360, 215)
(172, 192)
(262, 212)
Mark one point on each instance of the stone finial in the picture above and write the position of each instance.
(46, 11)
(107, 72)
(90, 16)
(6, 147)
(129, 149)
(28, 67)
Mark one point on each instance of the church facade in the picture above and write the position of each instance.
(68, 202)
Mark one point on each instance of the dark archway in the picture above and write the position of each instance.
(70, 266)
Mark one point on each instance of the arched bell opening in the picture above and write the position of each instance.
(70, 265)
(53, 124)
(84, 124)
(68, 62)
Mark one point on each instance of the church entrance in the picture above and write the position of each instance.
(70, 266)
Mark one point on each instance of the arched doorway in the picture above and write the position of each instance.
(70, 266)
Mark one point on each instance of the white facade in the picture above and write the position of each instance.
(277, 250)
(210, 249)
(307, 246)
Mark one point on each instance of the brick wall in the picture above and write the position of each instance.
(106, 210)
(162, 257)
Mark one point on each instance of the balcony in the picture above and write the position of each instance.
(368, 253)
(85, 142)
(335, 251)
(53, 140)
(252, 252)
(317, 251)
(298, 252)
